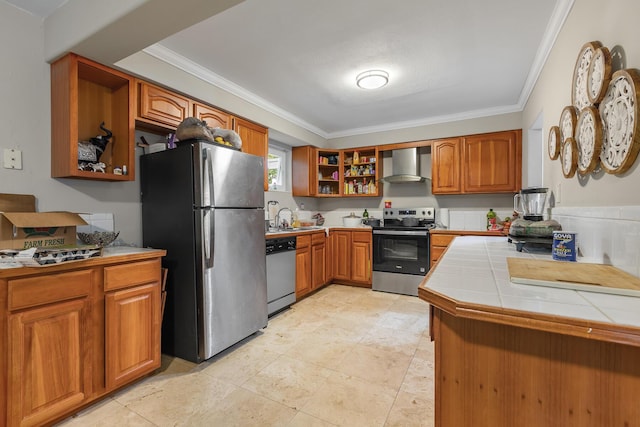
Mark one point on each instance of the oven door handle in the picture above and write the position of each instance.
(402, 232)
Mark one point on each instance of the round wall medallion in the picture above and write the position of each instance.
(554, 142)
(588, 140)
(579, 97)
(568, 119)
(619, 112)
(569, 157)
(599, 75)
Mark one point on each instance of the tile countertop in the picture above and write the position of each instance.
(473, 273)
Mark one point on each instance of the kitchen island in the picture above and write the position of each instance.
(508, 354)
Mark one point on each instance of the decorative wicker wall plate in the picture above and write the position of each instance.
(569, 157)
(619, 112)
(554, 142)
(588, 140)
(567, 125)
(579, 97)
(599, 75)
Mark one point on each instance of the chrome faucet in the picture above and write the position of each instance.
(278, 225)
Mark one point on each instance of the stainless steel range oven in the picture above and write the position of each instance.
(401, 250)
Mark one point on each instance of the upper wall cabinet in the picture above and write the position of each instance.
(335, 173)
(159, 107)
(214, 118)
(445, 166)
(255, 140)
(486, 163)
(84, 94)
(492, 163)
(316, 172)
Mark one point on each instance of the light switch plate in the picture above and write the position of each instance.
(12, 158)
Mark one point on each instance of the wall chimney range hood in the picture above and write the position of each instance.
(405, 166)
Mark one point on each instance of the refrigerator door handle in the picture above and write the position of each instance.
(208, 241)
(208, 194)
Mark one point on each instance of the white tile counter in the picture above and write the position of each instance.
(474, 271)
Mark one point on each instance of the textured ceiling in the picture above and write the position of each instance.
(446, 60)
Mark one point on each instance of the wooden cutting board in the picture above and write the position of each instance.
(573, 275)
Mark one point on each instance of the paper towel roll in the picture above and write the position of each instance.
(444, 217)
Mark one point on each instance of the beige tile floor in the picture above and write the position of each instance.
(344, 356)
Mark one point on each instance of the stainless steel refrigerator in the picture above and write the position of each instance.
(204, 204)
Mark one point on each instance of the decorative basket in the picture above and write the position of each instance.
(100, 238)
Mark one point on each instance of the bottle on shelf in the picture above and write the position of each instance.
(491, 219)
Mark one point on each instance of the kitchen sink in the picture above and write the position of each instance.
(293, 230)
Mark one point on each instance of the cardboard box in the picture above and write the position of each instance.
(21, 227)
(23, 230)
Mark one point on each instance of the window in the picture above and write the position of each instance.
(278, 167)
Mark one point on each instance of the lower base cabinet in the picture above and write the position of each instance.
(70, 334)
(351, 257)
(311, 263)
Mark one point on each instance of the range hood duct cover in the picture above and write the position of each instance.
(405, 166)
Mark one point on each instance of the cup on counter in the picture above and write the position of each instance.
(387, 204)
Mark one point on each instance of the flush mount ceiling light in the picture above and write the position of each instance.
(372, 79)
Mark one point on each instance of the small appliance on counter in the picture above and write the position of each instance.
(532, 232)
(530, 203)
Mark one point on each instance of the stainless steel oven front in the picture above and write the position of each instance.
(400, 259)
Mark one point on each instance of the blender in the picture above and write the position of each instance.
(530, 203)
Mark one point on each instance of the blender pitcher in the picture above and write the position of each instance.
(530, 203)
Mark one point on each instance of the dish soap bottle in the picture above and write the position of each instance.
(365, 214)
(491, 219)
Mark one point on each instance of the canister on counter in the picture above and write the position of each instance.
(564, 246)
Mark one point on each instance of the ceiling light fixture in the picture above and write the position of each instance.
(372, 79)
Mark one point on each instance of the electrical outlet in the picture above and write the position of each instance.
(12, 158)
(557, 195)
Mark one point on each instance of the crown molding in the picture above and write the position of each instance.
(176, 60)
(558, 17)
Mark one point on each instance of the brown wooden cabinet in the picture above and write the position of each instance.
(335, 173)
(132, 321)
(255, 140)
(318, 260)
(48, 340)
(486, 163)
(303, 266)
(161, 107)
(352, 254)
(492, 163)
(445, 164)
(311, 263)
(316, 172)
(85, 94)
(215, 118)
(360, 172)
(69, 337)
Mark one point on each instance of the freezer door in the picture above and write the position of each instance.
(235, 288)
(229, 178)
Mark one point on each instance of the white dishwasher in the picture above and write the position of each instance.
(281, 273)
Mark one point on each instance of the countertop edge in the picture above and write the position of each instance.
(590, 329)
(110, 256)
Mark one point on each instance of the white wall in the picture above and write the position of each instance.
(25, 119)
(614, 23)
